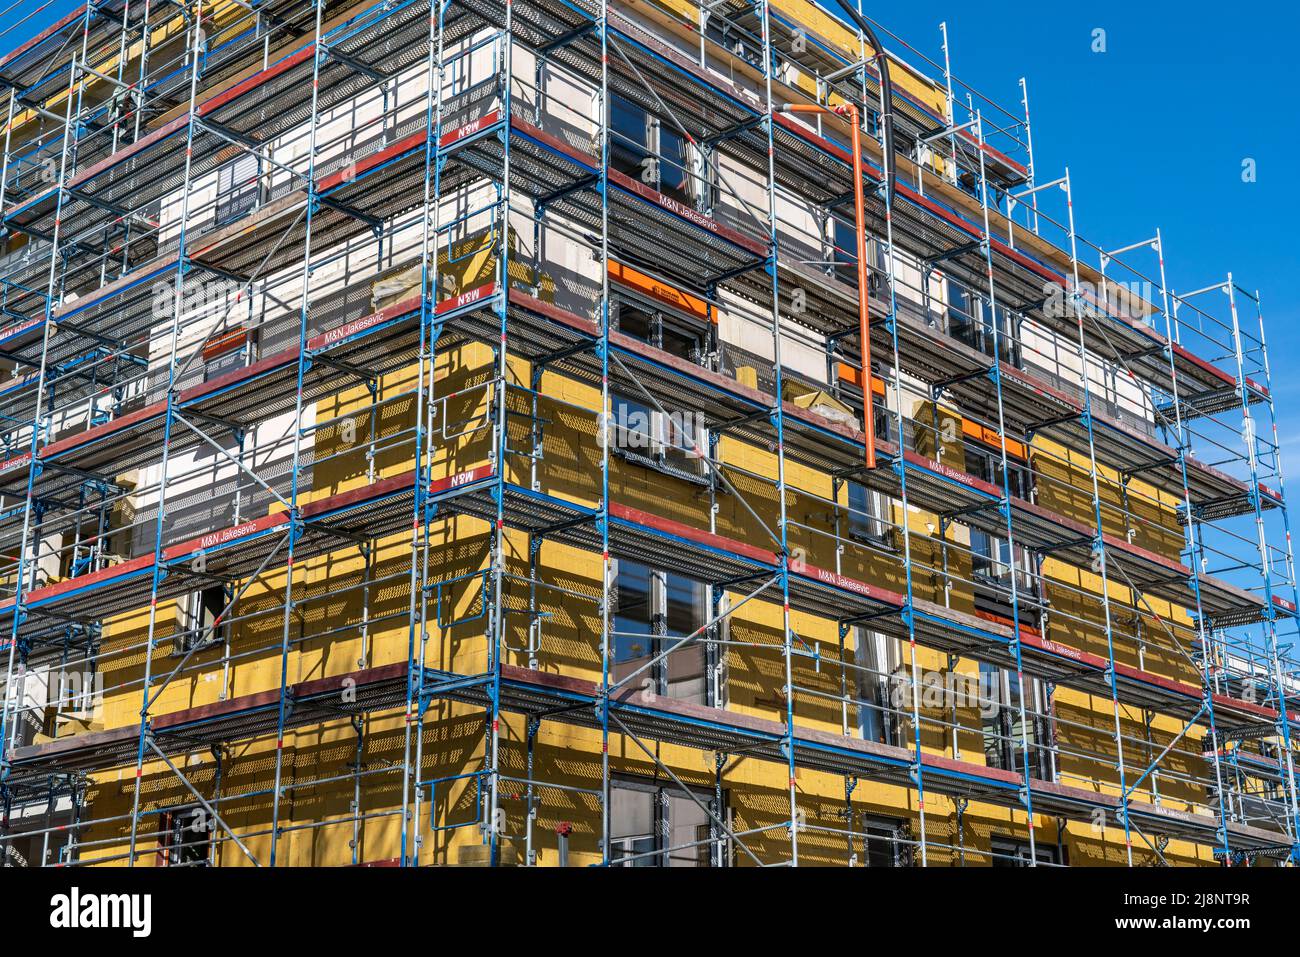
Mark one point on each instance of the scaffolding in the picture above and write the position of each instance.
(333, 387)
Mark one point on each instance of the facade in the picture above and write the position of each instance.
(437, 433)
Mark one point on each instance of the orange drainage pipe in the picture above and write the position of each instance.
(864, 292)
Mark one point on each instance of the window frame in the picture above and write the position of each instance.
(240, 193)
(1002, 747)
(1004, 847)
(988, 468)
(842, 261)
(661, 636)
(173, 848)
(865, 517)
(197, 610)
(966, 319)
(877, 830)
(878, 657)
(656, 449)
(686, 185)
(662, 324)
(663, 795)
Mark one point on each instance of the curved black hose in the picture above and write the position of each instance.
(886, 93)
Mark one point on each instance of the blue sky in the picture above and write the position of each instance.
(1154, 130)
(21, 19)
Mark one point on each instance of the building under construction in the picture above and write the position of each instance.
(624, 432)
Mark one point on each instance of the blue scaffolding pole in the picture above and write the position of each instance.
(417, 605)
(1005, 505)
(1259, 451)
(1076, 298)
(30, 555)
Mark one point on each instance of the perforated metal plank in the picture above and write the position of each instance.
(1143, 457)
(576, 701)
(242, 717)
(232, 552)
(535, 24)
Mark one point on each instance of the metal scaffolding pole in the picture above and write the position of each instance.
(1076, 297)
(1194, 549)
(778, 419)
(1005, 505)
(319, 53)
(30, 555)
(195, 66)
(142, 141)
(607, 428)
(1254, 446)
(494, 826)
(417, 606)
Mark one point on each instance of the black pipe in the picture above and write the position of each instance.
(886, 93)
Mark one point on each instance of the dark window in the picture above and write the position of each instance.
(881, 419)
(636, 322)
(634, 426)
(971, 321)
(985, 463)
(1008, 336)
(197, 613)
(681, 342)
(630, 140)
(1012, 853)
(844, 255)
(660, 826)
(237, 188)
(1004, 734)
(674, 164)
(963, 309)
(991, 558)
(650, 150)
(672, 441)
(864, 515)
(878, 661)
(655, 611)
(185, 835)
(887, 843)
(661, 329)
(844, 250)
